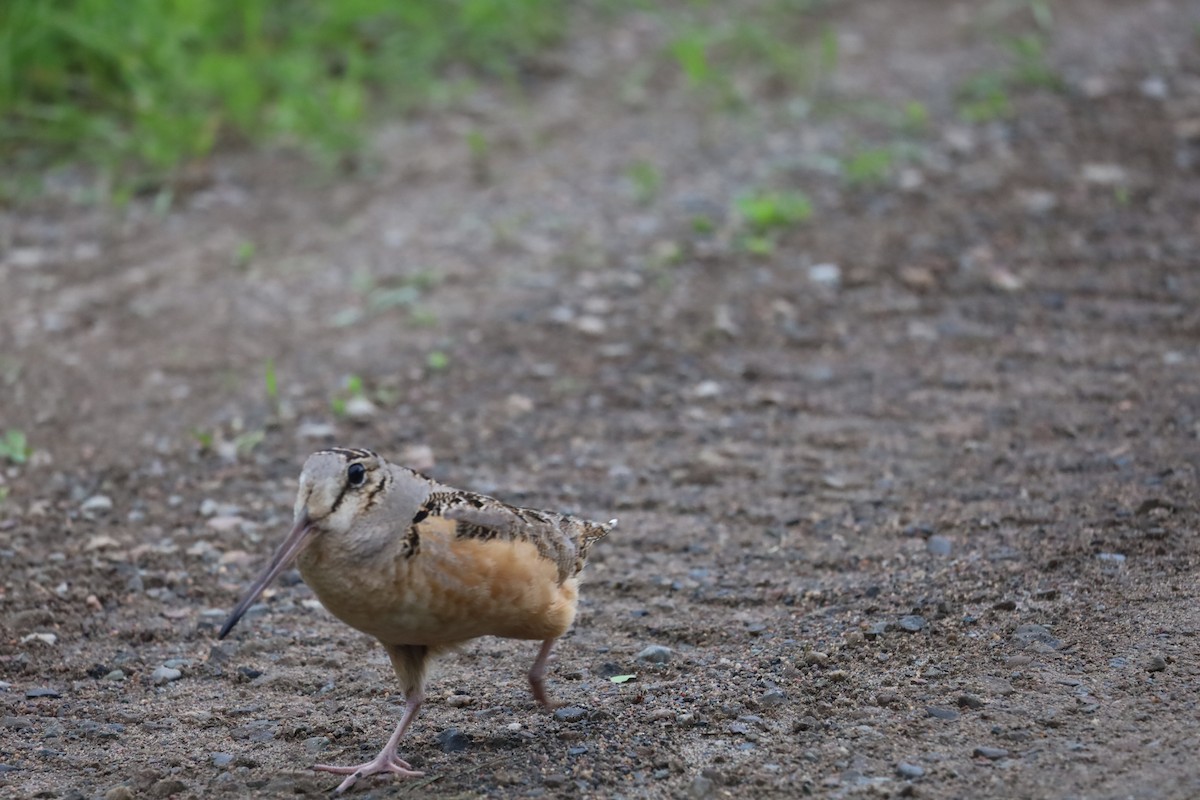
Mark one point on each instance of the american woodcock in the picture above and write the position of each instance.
(424, 568)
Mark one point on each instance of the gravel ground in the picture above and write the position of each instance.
(908, 503)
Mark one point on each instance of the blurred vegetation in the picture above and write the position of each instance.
(140, 87)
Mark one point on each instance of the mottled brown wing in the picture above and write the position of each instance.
(562, 539)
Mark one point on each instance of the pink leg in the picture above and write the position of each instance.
(387, 761)
(537, 675)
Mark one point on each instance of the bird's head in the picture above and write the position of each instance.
(337, 487)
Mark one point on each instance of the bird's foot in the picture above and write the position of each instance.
(383, 763)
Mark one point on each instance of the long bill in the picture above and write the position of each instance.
(301, 533)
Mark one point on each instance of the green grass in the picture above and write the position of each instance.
(872, 165)
(647, 181)
(766, 45)
(14, 447)
(765, 212)
(764, 215)
(352, 388)
(139, 88)
(987, 95)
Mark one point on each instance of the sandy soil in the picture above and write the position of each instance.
(921, 523)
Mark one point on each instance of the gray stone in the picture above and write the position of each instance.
(168, 787)
(911, 771)
(993, 753)
(701, 787)
(221, 759)
(970, 701)
(16, 723)
(452, 740)
(773, 698)
(938, 712)
(315, 744)
(939, 546)
(570, 714)
(1155, 664)
(655, 654)
(1031, 633)
(40, 692)
(876, 629)
(96, 505)
(911, 623)
(164, 675)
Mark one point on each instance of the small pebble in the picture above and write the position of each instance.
(459, 700)
(938, 712)
(315, 744)
(655, 654)
(221, 759)
(939, 546)
(45, 691)
(452, 740)
(115, 675)
(773, 698)
(911, 771)
(43, 638)
(993, 753)
(360, 408)
(1156, 664)
(164, 675)
(570, 714)
(701, 787)
(911, 623)
(96, 505)
(825, 275)
(119, 793)
(970, 701)
(168, 787)
(876, 629)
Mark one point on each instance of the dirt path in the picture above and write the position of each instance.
(911, 499)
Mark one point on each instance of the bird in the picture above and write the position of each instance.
(425, 568)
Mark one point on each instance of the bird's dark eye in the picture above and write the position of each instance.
(356, 474)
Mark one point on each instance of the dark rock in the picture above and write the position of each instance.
(167, 787)
(577, 751)
(1155, 664)
(452, 740)
(993, 753)
(701, 787)
(16, 723)
(1033, 634)
(570, 714)
(970, 701)
(40, 692)
(1005, 605)
(609, 668)
(938, 712)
